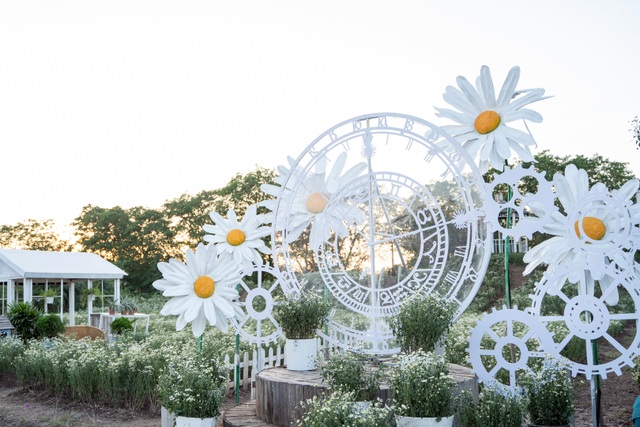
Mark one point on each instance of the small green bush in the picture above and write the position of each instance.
(121, 325)
(23, 317)
(299, 318)
(49, 326)
(422, 322)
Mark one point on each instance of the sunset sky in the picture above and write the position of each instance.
(136, 102)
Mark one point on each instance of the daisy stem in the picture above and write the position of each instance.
(200, 344)
(238, 368)
(507, 284)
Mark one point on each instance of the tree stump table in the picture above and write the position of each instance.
(279, 391)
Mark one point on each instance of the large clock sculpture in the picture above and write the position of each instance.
(373, 212)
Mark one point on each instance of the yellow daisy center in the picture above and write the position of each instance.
(317, 202)
(204, 286)
(594, 228)
(236, 237)
(486, 122)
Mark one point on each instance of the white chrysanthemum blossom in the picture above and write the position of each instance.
(239, 240)
(598, 228)
(303, 199)
(202, 290)
(482, 118)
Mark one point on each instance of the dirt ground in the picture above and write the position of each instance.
(30, 408)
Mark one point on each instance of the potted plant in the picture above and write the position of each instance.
(550, 394)
(114, 307)
(299, 319)
(422, 390)
(89, 294)
(422, 322)
(340, 410)
(193, 389)
(129, 306)
(49, 294)
(350, 373)
(496, 406)
(121, 325)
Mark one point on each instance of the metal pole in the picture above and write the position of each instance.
(237, 368)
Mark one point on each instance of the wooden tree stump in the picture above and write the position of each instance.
(279, 391)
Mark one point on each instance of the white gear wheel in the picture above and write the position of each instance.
(251, 329)
(525, 225)
(503, 340)
(587, 317)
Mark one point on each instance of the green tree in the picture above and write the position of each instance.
(32, 235)
(134, 239)
(188, 214)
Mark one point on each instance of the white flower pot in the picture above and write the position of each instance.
(301, 355)
(195, 422)
(48, 300)
(166, 417)
(424, 422)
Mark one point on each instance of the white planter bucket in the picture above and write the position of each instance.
(424, 422)
(195, 422)
(301, 355)
(166, 417)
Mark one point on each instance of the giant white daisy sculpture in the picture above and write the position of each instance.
(202, 290)
(482, 118)
(239, 240)
(598, 228)
(300, 199)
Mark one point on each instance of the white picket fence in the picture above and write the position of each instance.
(250, 366)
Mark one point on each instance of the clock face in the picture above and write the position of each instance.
(373, 212)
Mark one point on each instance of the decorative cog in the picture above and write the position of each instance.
(259, 325)
(503, 333)
(580, 314)
(519, 203)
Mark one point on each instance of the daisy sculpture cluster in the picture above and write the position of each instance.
(384, 206)
(205, 288)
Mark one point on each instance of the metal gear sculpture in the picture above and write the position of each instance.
(584, 316)
(503, 331)
(519, 204)
(259, 326)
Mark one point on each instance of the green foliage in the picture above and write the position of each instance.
(422, 322)
(23, 317)
(134, 239)
(193, 387)
(496, 407)
(33, 235)
(550, 393)
(422, 387)
(49, 326)
(10, 350)
(299, 318)
(121, 325)
(350, 373)
(635, 131)
(340, 410)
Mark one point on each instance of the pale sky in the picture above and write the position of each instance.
(137, 102)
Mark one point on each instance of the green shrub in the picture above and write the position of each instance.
(340, 410)
(496, 407)
(422, 387)
(422, 322)
(550, 393)
(23, 317)
(121, 325)
(299, 318)
(49, 326)
(193, 387)
(349, 373)
(10, 350)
